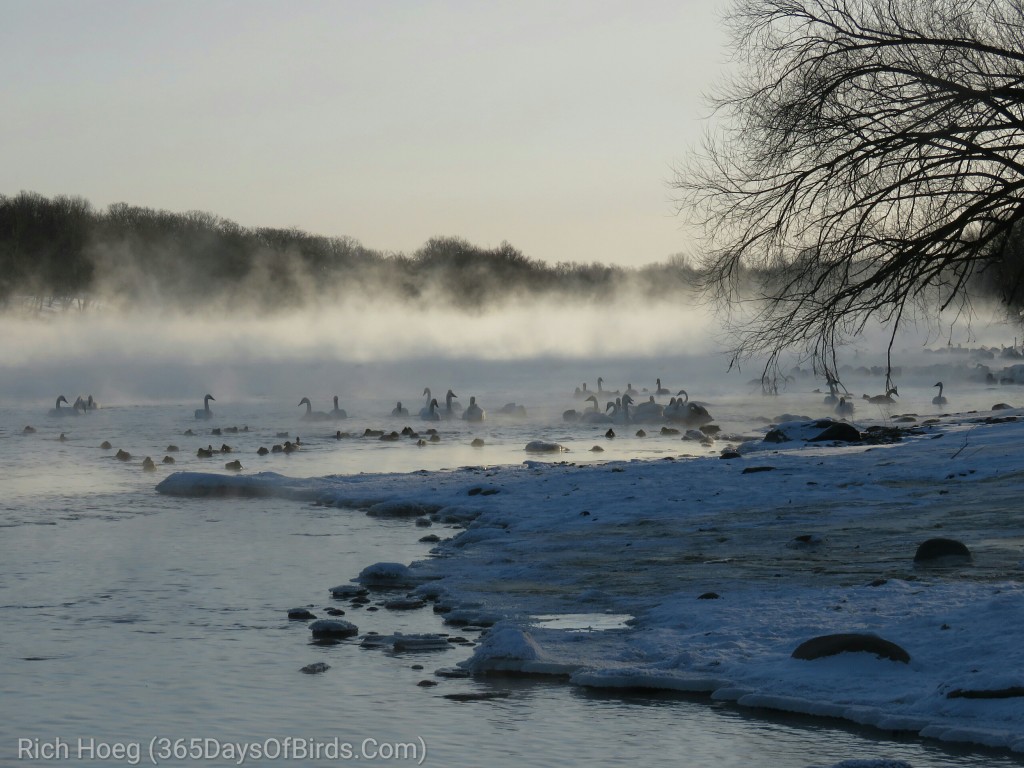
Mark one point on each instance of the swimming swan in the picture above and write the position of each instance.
(430, 412)
(310, 414)
(474, 412)
(660, 390)
(939, 399)
(205, 412)
(450, 408)
(844, 408)
(58, 411)
(399, 410)
(338, 413)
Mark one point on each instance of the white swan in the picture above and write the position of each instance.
(685, 412)
(844, 408)
(649, 411)
(602, 392)
(338, 413)
(399, 410)
(58, 411)
(474, 412)
(205, 412)
(939, 399)
(310, 414)
(425, 410)
(594, 415)
(660, 390)
(620, 410)
(430, 412)
(831, 398)
(451, 409)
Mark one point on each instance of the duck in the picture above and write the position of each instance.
(58, 411)
(430, 412)
(399, 410)
(939, 399)
(844, 408)
(338, 413)
(474, 412)
(660, 390)
(310, 414)
(886, 398)
(205, 412)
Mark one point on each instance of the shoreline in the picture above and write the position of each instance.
(793, 552)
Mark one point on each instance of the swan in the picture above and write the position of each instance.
(450, 408)
(430, 412)
(844, 408)
(602, 392)
(338, 413)
(474, 412)
(426, 407)
(595, 415)
(660, 390)
(205, 412)
(630, 391)
(620, 410)
(399, 410)
(648, 411)
(685, 412)
(886, 398)
(939, 399)
(584, 392)
(310, 414)
(58, 411)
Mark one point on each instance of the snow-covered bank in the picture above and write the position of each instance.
(819, 540)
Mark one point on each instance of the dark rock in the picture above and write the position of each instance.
(349, 590)
(597, 449)
(427, 683)
(776, 436)
(1001, 407)
(300, 614)
(315, 669)
(480, 696)
(939, 551)
(431, 538)
(333, 628)
(398, 509)
(334, 612)
(404, 604)
(709, 596)
(998, 693)
(853, 642)
(477, 442)
(750, 470)
(838, 431)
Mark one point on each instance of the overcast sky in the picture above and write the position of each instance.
(554, 125)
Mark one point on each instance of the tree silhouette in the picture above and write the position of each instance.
(868, 165)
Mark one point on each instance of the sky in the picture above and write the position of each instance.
(554, 126)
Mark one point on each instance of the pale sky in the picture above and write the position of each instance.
(554, 126)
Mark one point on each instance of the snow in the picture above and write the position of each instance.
(820, 541)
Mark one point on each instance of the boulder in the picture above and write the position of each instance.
(851, 642)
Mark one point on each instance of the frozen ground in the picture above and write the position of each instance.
(596, 572)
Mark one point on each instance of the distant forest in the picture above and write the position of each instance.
(61, 251)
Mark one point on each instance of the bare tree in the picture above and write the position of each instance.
(868, 164)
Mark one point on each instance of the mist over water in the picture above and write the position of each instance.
(382, 350)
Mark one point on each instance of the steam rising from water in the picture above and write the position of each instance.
(133, 357)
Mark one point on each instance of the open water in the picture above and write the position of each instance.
(134, 620)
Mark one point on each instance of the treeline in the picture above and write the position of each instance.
(62, 249)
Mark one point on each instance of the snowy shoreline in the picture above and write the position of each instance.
(822, 542)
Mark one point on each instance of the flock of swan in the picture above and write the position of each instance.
(620, 408)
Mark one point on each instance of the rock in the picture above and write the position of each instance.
(1001, 407)
(348, 591)
(404, 604)
(105, 445)
(236, 465)
(430, 538)
(853, 642)
(427, 683)
(749, 470)
(300, 614)
(998, 693)
(479, 696)
(838, 431)
(543, 446)
(641, 433)
(805, 540)
(730, 455)
(387, 575)
(709, 596)
(123, 455)
(334, 612)
(597, 449)
(776, 436)
(669, 431)
(398, 509)
(477, 442)
(941, 552)
(333, 628)
(315, 669)
(171, 449)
